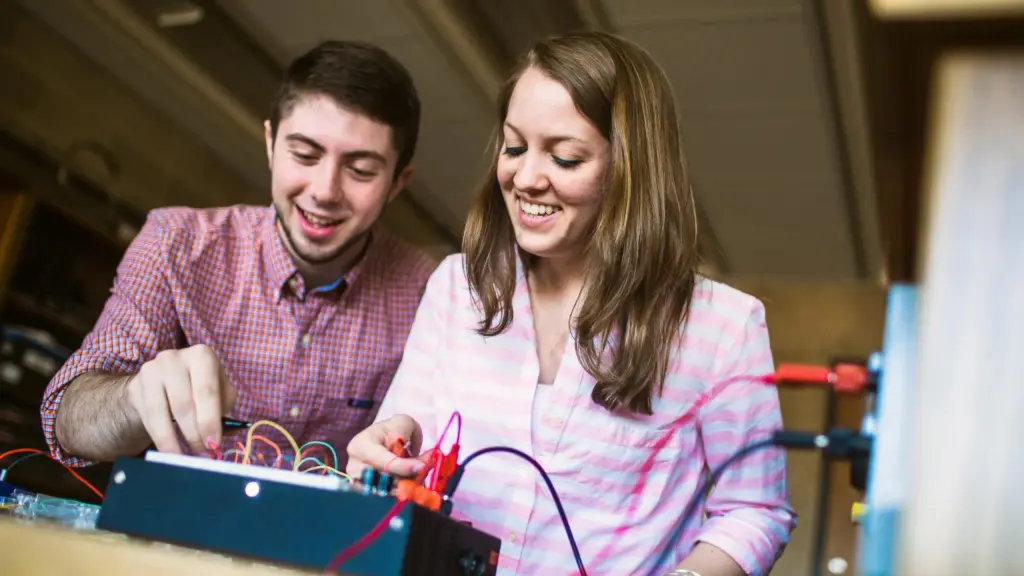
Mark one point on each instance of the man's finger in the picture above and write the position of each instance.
(156, 418)
(177, 382)
(204, 372)
(228, 393)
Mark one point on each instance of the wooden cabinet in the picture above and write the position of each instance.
(15, 211)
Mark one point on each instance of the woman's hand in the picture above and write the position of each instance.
(370, 448)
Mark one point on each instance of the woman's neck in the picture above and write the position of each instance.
(557, 277)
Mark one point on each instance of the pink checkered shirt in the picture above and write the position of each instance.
(624, 480)
(316, 362)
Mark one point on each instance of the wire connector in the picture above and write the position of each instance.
(844, 378)
(836, 443)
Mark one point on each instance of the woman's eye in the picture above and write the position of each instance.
(514, 150)
(565, 163)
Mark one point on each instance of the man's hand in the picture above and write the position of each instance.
(189, 386)
(370, 449)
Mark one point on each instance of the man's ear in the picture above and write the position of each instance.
(269, 136)
(400, 183)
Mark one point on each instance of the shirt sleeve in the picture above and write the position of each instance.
(137, 322)
(414, 385)
(748, 512)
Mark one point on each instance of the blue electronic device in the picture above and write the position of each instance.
(890, 424)
(286, 518)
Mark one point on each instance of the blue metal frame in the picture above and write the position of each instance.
(889, 473)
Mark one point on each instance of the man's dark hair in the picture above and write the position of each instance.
(358, 76)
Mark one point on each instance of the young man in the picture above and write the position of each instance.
(296, 313)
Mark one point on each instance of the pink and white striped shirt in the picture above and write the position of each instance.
(624, 480)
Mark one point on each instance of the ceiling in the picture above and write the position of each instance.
(779, 172)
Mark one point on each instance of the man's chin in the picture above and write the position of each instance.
(319, 255)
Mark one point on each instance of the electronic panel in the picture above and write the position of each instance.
(271, 515)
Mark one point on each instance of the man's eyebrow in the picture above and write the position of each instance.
(303, 139)
(350, 155)
(369, 154)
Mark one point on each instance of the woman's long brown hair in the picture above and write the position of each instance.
(642, 256)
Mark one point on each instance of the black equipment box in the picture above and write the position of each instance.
(266, 514)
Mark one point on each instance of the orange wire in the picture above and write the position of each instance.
(272, 444)
(72, 472)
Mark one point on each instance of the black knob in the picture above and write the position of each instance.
(472, 564)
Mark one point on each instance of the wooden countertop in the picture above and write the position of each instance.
(37, 549)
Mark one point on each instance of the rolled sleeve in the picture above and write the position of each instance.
(138, 320)
(412, 389)
(748, 513)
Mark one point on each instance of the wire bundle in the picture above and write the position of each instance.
(243, 453)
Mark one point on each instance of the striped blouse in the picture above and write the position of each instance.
(623, 479)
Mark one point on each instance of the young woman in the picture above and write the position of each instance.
(575, 328)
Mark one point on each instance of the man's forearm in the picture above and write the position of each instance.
(95, 419)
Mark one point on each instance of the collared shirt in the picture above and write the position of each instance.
(317, 362)
(624, 479)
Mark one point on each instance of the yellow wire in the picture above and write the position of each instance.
(279, 428)
(329, 469)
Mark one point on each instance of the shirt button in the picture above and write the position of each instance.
(512, 537)
(294, 412)
(306, 339)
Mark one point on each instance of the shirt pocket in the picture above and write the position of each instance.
(338, 422)
(607, 457)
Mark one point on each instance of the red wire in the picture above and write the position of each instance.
(456, 418)
(367, 539)
(70, 471)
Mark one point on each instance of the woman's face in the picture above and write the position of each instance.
(551, 169)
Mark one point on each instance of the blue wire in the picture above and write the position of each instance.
(453, 483)
(23, 458)
(4, 471)
(325, 444)
(315, 460)
(701, 495)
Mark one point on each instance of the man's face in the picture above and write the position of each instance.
(332, 173)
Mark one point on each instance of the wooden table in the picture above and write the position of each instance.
(945, 86)
(29, 549)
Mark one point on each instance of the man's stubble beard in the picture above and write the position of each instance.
(292, 246)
